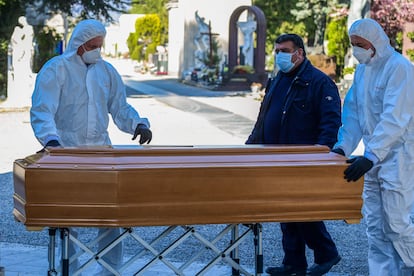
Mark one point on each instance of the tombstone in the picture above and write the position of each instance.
(20, 76)
(256, 33)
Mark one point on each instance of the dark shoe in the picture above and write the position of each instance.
(285, 270)
(320, 269)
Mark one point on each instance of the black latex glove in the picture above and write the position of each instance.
(51, 143)
(338, 151)
(145, 132)
(359, 166)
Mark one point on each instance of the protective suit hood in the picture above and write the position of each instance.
(370, 30)
(84, 31)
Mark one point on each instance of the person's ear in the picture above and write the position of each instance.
(300, 53)
(80, 50)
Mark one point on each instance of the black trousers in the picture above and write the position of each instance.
(298, 235)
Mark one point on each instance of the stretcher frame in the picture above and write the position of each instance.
(228, 255)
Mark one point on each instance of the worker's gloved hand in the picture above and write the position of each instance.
(145, 132)
(338, 151)
(359, 166)
(51, 143)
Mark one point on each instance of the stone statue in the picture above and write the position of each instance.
(358, 9)
(22, 46)
(248, 28)
(201, 40)
(20, 80)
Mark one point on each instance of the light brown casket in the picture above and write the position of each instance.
(152, 186)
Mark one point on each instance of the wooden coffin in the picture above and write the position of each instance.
(152, 186)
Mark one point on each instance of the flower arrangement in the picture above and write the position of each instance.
(243, 69)
(255, 87)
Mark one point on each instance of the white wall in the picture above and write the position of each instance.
(117, 34)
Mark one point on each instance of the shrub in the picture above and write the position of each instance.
(410, 54)
(338, 42)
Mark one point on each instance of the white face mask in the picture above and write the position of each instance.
(90, 57)
(284, 61)
(362, 55)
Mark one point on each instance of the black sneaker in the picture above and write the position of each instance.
(321, 269)
(286, 270)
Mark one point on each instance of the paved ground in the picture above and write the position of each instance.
(24, 253)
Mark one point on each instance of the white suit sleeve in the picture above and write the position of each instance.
(45, 101)
(397, 112)
(350, 132)
(125, 117)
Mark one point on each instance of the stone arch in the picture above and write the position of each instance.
(259, 51)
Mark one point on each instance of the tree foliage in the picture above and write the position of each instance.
(313, 13)
(146, 38)
(98, 9)
(306, 18)
(338, 41)
(392, 15)
(277, 13)
(212, 59)
(46, 42)
(149, 6)
(157, 7)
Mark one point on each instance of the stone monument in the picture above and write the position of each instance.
(20, 76)
(256, 59)
(248, 28)
(22, 46)
(201, 40)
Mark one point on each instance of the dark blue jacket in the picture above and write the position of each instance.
(311, 110)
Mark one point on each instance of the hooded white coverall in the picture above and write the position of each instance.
(71, 102)
(379, 109)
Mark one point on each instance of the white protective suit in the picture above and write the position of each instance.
(71, 102)
(379, 109)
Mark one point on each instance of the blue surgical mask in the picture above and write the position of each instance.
(284, 61)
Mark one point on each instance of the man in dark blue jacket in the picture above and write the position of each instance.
(301, 106)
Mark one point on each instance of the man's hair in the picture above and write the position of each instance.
(297, 41)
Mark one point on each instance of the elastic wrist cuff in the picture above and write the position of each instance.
(371, 157)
